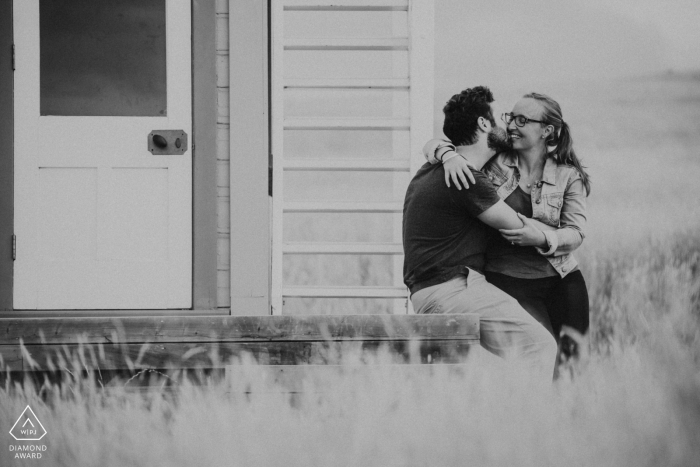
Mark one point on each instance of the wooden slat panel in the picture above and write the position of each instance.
(399, 150)
(344, 248)
(420, 40)
(345, 292)
(346, 43)
(422, 72)
(365, 165)
(395, 83)
(219, 354)
(323, 123)
(346, 5)
(301, 206)
(235, 328)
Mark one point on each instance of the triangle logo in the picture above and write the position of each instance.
(28, 427)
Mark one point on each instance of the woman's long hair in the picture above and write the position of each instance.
(560, 145)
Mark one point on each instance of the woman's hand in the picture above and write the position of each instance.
(528, 235)
(457, 168)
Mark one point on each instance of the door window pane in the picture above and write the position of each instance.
(103, 57)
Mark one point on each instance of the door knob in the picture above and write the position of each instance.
(159, 141)
(167, 142)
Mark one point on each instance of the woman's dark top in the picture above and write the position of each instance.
(517, 261)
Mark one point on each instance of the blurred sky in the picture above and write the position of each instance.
(517, 46)
(607, 63)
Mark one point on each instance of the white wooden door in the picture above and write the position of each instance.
(100, 221)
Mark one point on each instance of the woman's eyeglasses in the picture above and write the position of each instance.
(520, 120)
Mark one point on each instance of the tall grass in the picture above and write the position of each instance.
(635, 401)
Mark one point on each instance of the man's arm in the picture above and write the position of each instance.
(483, 202)
(542, 226)
(501, 216)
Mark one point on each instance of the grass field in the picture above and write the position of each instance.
(634, 402)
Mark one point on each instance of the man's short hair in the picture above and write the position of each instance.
(462, 113)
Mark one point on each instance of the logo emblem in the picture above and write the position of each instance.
(28, 427)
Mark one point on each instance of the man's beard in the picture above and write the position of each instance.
(498, 140)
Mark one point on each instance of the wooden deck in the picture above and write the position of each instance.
(132, 343)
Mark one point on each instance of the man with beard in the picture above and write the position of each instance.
(445, 232)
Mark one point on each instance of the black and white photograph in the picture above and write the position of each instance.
(414, 233)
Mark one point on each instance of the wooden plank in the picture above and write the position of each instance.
(249, 149)
(191, 329)
(204, 293)
(340, 165)
(6, 156)
(222, 35)
(11, 358)
(220, 354)
(343, 248)
(324, 123)
(348, 83)
(303, 206)
(346, 43)
(346, 5)
(345, 292)
(64, 314)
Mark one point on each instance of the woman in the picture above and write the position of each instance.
(541, 178)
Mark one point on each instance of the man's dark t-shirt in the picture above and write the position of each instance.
(441, 235)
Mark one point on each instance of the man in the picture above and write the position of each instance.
(445, 232)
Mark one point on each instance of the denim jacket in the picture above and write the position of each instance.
(557, 201)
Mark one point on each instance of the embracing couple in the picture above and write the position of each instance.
(490, 223)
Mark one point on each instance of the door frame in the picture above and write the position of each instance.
(7, 220)
(204, 170)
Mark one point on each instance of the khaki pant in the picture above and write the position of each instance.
(507, 330)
